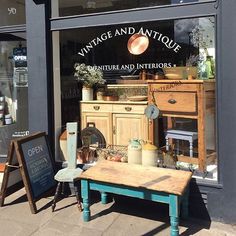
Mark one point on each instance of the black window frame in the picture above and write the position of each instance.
(167, 12)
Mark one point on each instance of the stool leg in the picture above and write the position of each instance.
(78, 198)
(63, 188)
(177, 141)
(191, 148)
(56, 196)
(167, 144)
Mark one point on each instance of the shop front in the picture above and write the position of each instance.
(13, 76)
(161, 72)
(155, 57)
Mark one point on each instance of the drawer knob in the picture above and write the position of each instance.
(96, 108)
(71, 133)
(172, 101)
(128, 108)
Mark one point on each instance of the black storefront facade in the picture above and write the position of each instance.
(208, 199)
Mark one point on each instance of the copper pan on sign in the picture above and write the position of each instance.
(137, 44)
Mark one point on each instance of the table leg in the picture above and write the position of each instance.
(185, 205)
(104, 198)
(85, 196)
(174, 215)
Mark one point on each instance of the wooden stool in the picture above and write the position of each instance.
(71, 173)
(189, 136)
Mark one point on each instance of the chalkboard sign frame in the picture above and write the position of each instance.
(17, 146)
(12, 180)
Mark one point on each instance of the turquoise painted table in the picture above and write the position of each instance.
(150, 183)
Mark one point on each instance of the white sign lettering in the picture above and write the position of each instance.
(11, 10)
(159, 65)
(35, 150)
(20, 58)
(169, 43)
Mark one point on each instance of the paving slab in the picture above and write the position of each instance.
(61, 229)
(122, 216)
(133, 225)
(10, 227)
(102, 216)
(17, 209)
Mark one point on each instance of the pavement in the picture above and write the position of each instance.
(122, 216)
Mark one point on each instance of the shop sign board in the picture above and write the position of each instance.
(30, 164)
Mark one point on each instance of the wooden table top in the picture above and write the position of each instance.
(138, 176)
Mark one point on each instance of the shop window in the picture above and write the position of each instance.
(13, 88)
(71, 7)
(12, 12)
(176, 61)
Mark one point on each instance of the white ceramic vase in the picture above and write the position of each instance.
(87, 94)
(134, 152)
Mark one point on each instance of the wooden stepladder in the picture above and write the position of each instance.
(30, 165)
(12, 179)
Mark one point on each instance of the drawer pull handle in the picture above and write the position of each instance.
(128, 108)
(114, 130)
(96, 108)
(172, 101)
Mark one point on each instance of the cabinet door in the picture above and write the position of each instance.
(127, 126)
(103, 122)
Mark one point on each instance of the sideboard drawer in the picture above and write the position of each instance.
(176, 101)
(138, 109)
(96, 107)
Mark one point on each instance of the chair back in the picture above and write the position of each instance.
(72, 129)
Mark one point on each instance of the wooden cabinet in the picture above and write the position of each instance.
(189, 99)
(126, 126)
(118, 121)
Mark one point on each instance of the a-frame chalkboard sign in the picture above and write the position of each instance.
(29, 164)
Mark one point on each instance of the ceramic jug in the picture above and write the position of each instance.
(134, 152)
(149, 154)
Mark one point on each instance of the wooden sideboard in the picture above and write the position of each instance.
(119, 121)
(191, 99)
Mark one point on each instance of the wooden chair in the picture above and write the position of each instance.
(71, 173)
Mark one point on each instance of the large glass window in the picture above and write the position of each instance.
(184, 43)
(177, 58)
(72, 7)
(12, 12)
(13, 88)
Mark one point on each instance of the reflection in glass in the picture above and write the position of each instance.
(180, 49)
(13, 88)
(200, 34)
(180, 55)
(71, 7)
